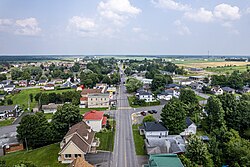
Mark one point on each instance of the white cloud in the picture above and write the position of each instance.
(248, 10)
(118, 11)
(136, 29)
(82, 26)
(202, 15)
(227, 12)
(171, 4)
(5, 22)
(27, 27)
(182, 29)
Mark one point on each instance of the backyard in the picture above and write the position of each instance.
(37, 156)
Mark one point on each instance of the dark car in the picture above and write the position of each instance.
(150, 112)
(154, 111)
(143, 113)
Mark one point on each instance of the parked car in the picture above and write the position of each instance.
(154, 111)
(143, 113)
(150, 112)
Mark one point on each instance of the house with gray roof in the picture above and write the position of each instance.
(143, 95)
(9, 111)
(190, 128)
(228, 90)
(153, 129)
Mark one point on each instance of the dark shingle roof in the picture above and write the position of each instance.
(188, 121)
(154, 126)
(7, 108)
(144, 93)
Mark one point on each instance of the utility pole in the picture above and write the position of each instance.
(26, 143)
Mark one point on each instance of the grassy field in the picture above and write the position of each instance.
(23, 97)
(200, 98)
(6, 122)
(41, 157)
(223, 70)
(107, 139)
(139, 141)
(84, 110)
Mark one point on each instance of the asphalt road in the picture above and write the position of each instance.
(124, 149)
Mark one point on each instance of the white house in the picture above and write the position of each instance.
(217, 90)
(153, 130)
(185, 82)
(143, 95)
(191, 128)
(49, 87)
(50, 108)
(9, 88)
(168, 94)
(95, 119)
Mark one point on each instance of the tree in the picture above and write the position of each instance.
(128, 71)
(187, 96)
(215, 118)
(106, 80)
(65, 117)
(159, 81)
(2, 77)
(31, 97)
(133, 84)
(25, 164)
(35, 130)
(174, 116)
(9, 101)
(149, 118)
(197, 152)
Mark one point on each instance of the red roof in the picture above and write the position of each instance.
(84, 99)
(104, 121)
(93, 115)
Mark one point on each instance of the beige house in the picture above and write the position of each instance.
(79, 141)
(98, 100)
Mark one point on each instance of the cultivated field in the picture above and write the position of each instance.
(214, 64)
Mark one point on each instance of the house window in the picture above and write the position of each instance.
(101, 99)
(67, 155)
(91, 99)
(96, 99)
(77, 155)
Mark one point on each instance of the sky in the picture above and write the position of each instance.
(125, 27)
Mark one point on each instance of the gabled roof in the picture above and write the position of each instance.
(84, 99)
(144, 93)
(168, 86)
(79, 142)
(80, 162)
(164, 160)
(94, 115)
(227, 89)
(7, 108)
(82, 129)
(154, 126)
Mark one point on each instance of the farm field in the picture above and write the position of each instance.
(205, 64)
(22, 98)
(230, 69)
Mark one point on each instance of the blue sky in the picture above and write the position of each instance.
(125, 27)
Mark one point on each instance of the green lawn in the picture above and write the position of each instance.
(84, 110)
(131, 100)
(106, 139)
(200, 98)
(227, 69)
(6, 122)
(23, 97)
(49, 115)
(139, 141)
(41, 157)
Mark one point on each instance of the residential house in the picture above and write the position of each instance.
(80, 162)
(197, 78)
(8, 140)
(153, 129)
(172, 86)
(42, 82)
(68, 84)
(168, 94)
(196, 86)
(164, 160)
(49, 86)
(79, 140)
(95, 119)
(23, 83)
(185, 82)
(50, 108)
(86, 92)
(228, 90)
(58, 81)
(246, 89)
(5, 83)
(2, 97)
(191, 128)
(32, 82)
(98, 100)
(83, 102)
(9, 111)
(172, 144)
(80, 88)
(143, 95)
(9, 88)
(216, 90)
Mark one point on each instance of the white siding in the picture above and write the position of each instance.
(96, 125)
